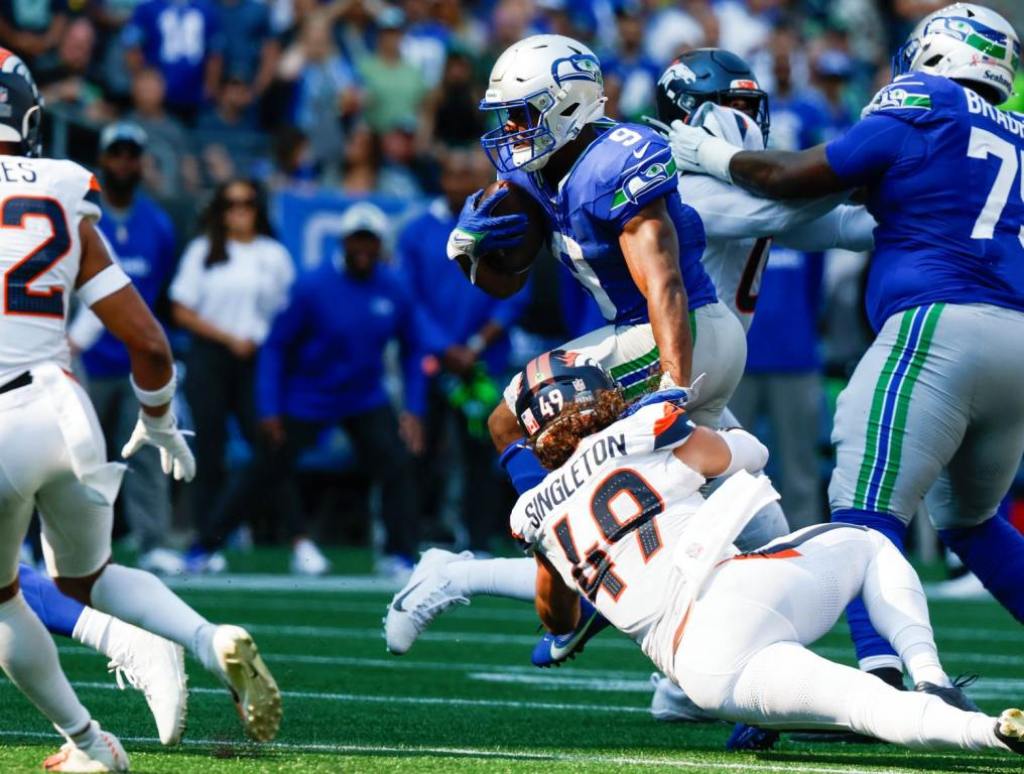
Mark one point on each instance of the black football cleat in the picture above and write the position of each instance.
(953, 695)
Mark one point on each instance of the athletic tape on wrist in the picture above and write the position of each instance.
(108, 281)
(714, 155)
(157, 397)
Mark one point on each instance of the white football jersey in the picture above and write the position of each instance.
(42, 203)
(609, 518)
(740, 226)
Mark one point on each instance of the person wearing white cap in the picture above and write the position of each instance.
(321, 366)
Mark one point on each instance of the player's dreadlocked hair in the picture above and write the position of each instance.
(558, 441)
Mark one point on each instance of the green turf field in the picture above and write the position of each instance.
(467, 699)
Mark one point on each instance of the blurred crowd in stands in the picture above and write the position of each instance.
(280, 177)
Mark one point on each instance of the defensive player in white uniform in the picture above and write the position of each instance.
(52, 452)
(620, 521)
(717, 90)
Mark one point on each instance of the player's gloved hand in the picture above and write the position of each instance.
(163, 433)
(478, 231)
(696, 150)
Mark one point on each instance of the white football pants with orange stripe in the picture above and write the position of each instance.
(742, 652)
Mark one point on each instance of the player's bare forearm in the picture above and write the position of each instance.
(491, 281)
(558, 606)
(651, 248)
(786, 174)
(127, 317)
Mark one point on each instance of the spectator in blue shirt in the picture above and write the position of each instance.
(183, 39)
(630, 75)
(322, 366)
(251, 51)
(142, 239)
(462, 395)
(782, 383)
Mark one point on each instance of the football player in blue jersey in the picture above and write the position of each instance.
(934, 410)
(608, 192)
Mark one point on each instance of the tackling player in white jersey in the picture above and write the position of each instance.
(620, 521)
(52, 452)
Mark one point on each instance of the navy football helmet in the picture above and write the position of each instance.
(710, 75)
(20, 105)
(553, 382)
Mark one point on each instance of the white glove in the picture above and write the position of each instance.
(163, 433)
(695, 150)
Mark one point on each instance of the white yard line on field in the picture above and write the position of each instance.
(412, 700)
(491, 754)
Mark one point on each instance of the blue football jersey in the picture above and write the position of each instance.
(943, 172)
(622, 171)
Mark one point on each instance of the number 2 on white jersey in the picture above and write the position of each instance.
(19, 295)
(981, 145)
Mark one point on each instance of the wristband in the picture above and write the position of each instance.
(476, 344)
(714, 155)
(108, 281)
(158, 397)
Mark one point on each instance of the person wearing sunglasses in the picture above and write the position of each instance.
(233, 278)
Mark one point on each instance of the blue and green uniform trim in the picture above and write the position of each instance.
(641, 374)
(887, 421)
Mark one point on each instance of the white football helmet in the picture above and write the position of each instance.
(965, 42)
(551, 85)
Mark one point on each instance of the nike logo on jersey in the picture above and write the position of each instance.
(397, 604)
(642, 150)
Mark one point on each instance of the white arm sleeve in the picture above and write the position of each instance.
(85, 329)
(748, 453)
(729, 212)
(847, 227)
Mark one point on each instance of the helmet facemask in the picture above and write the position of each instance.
(533, 127)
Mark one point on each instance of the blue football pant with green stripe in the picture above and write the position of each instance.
(934, 412)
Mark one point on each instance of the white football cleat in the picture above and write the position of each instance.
(307, 559)
(162, 561)
(255, 692)
(105, 753)
(671, 705)
(156, 667)
(427, 594)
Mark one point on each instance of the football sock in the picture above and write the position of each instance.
(994, 551)
(29, 658)
(140, 598)
(787, 684)
(58, 613)
(873, 650)
(512, 578)
(522, 466)
(93, 630)
(898, 608)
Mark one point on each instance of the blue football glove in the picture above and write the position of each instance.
(744, 737)
(478, 231)
(553, 649)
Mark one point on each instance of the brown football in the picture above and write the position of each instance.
(517, 259)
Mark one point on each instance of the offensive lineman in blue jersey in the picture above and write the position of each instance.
(616, 221)
(940, 388)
